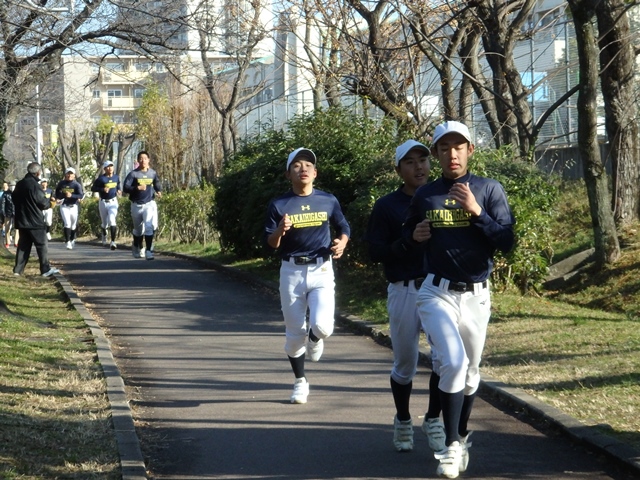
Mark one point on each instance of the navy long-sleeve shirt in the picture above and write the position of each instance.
(462, 246)
(138, 177)
(401, 260)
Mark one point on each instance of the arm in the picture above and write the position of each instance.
(128, 184)
(275, 237)
(97, 185)
(343, 231)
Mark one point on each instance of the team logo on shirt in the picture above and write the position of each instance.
(145, 181)
(449, 218)
(311, 219)
(111, 184)
(305, 207)
(449, 201)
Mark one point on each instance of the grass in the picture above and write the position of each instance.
(54, 413)
(577, 349)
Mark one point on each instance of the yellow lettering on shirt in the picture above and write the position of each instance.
(449, 218)
(310, 219)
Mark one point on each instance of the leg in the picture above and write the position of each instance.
(23, 252)
(40, 242)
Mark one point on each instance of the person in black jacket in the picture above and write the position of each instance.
(8, 214)
(29, 200)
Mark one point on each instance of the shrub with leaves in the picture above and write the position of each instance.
(355, 163)
(184, 214)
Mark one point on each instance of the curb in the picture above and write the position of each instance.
(131, 461)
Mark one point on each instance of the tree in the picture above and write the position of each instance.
(32, 40)
(619, 90)
(607, 248)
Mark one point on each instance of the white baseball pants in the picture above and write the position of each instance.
(69, 214)
(306, 286)
(145, 218)
(457, 325)
(108, 212)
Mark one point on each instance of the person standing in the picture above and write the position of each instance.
(5, 187)
(108, 188)
(404, 269)
(69, 193)
(30, 202)
(299, 225)
(462, 219)
(48, 213)
(143, 185)
(8, 212)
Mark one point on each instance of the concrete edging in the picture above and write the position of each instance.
(131, 460)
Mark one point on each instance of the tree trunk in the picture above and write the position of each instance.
(607, 248)
(618, 90)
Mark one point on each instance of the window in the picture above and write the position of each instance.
(115, 67)
(138, 92)
(114, 93)
(117, 118)
(96, 94)
(143, 67)
(159, 67)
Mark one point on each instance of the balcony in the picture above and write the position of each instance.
(110, 104)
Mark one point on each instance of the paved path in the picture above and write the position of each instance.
(202, 356)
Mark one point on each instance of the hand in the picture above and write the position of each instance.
(159, 194)
(142, 187)
(106, 189)
(338, 247)
(285, 224)
(422, 232)
(462, 194)
(67, 194)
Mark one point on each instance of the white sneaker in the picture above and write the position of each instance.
(148, 255)
(314, 350)
(135, 251)
(466, 445)
(48, 236)
(69, 246)
(433, 428)
(50, 272)
(402, 434)
(300, 391)
(450, 461)
(141, 253)
(113, 245)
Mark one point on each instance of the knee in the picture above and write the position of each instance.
(323, 330)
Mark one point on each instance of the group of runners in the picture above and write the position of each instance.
(436, 241)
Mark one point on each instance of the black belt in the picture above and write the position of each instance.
(416, 281)
(462, 287)
(307, 260)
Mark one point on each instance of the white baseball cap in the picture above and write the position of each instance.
(44, 180)
(70, 170)
(406, 147)
(108, 163)
(301, 152)
(450, 127)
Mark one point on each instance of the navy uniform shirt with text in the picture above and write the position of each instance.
(112, 183)
(462, 246)
(138, 177)
(312, 217)
(72, 186)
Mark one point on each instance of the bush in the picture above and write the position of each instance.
(185, 215)
(355, 164)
